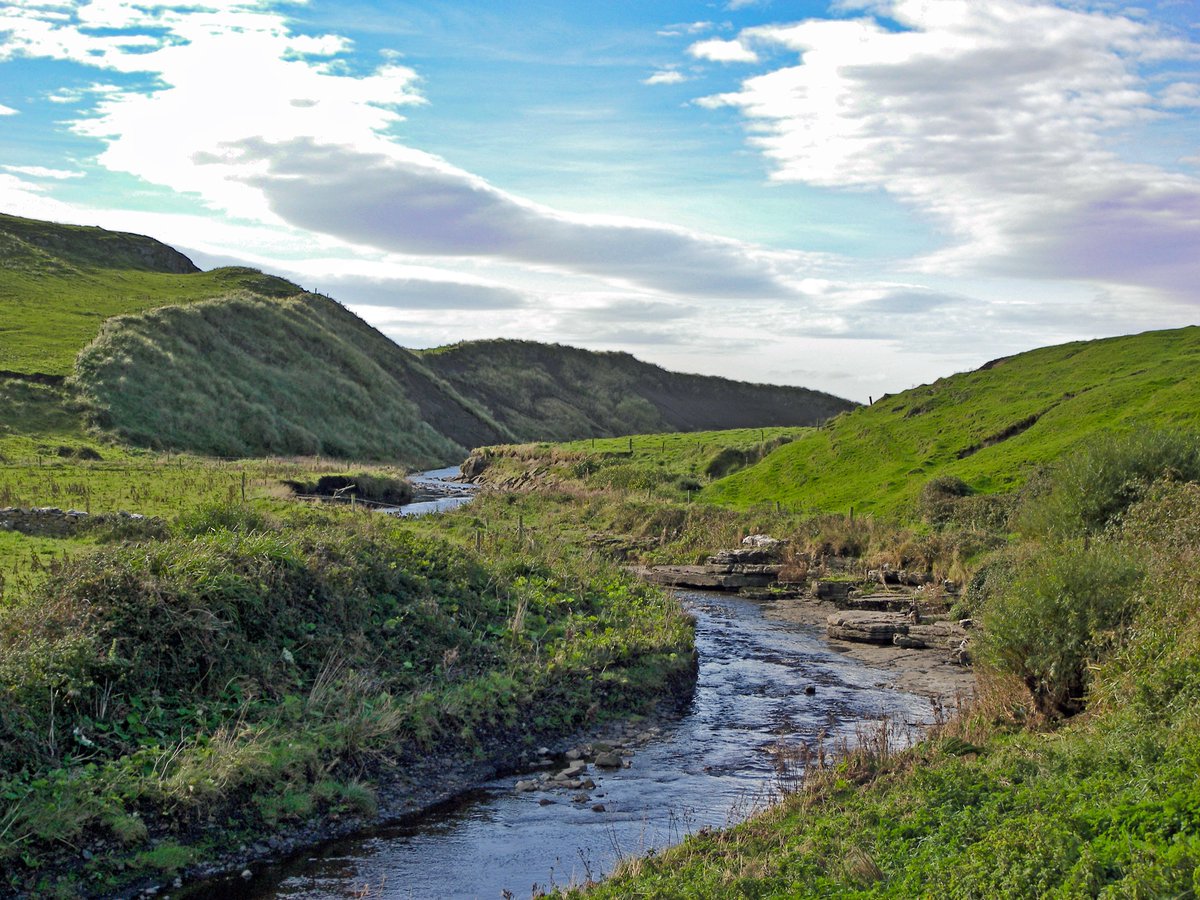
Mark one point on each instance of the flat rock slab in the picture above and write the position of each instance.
(866, 627)
(719, 577)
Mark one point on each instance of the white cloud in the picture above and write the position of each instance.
(1180, 95)
(403, 201)
(666, 76)
(686, 28)
(717, 50)
(7, 110)
(42, 172)
(994, 119)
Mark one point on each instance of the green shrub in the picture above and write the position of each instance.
(1086, 491)
(938, 498)
(1060, 614)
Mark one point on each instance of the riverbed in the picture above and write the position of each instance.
(762, 682)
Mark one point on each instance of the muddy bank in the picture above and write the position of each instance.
(929, 673)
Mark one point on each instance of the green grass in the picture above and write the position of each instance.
(876, 459)
(163, 699)
(673, 465)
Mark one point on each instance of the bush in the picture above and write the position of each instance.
(1060, 614)
(938, 498)
(1088, 490)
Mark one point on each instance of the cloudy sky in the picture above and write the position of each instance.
(857, 196)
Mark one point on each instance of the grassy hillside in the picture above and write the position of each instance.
(990, 427)
(552, 392)
(59, 283)
(258, 367)
(246, 375)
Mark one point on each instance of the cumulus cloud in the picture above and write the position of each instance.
(717, 50)
(998, 120)
(7, 110)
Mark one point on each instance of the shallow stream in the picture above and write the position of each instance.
(711, 767)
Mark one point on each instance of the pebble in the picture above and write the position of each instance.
(810, 689)
(545, 801)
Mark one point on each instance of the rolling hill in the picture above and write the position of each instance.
(235, 362)
(552, 392)
(991, 427)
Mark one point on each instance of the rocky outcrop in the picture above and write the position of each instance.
(902, 631)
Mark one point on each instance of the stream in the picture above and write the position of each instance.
(709, 768)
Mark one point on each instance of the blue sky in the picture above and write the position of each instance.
(857, 196)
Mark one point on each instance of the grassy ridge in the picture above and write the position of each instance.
(59, 283)
(990, 427)
(251, 376)
(553, 392)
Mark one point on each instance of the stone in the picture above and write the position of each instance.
(599, 807)
(524, 787)
(545, 801)
(247, 874)
(574, 754)
(581, 798)
(866, 627)
(761, 540)
(810, 689)
(608, 761)
(587, 784)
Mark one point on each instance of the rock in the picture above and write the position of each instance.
(247, 874)
(581, 798)
(866, 627)
(587, 784)
(832, 590)
(599, 807)
(761, 541)
(524, 787)
(722, 577)
(545, 801)
(543, 751)
(810, 689)
(574, 754)
(601, 747)
(608, 761)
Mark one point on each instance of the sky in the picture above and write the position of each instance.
(857, 196)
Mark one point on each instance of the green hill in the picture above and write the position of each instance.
(553, 392)
(991, 427)
(234, 362)
(59, 283)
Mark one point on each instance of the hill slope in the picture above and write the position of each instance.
(245, 375)
(58, 283)
(234, 362)
(553, 392)
(990, 427)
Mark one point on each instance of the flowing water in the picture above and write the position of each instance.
(711, 767)
(437, 492)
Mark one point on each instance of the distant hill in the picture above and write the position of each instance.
(552, 392)
(991, 427)
(235, 362)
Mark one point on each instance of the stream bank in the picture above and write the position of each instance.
(764, 684)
